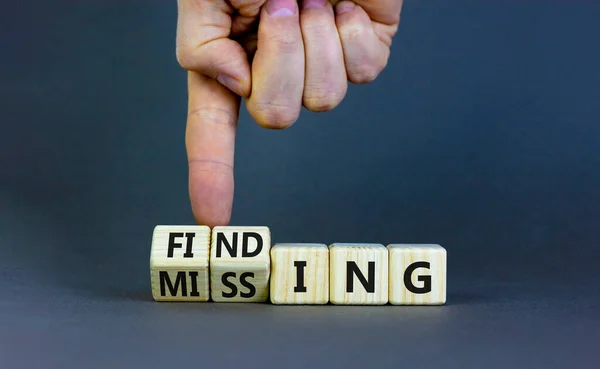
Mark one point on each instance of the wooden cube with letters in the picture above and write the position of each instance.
(358, 274)
(417, 274)
(240, 264)
(179, 263)
(300, 273)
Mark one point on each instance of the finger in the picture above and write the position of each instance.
(210, 141)
(385, 12)
(325, 82)
(249, 43)
(246, 17)
(278, 67)
(203, 44)
(241, 24)
(365, 54)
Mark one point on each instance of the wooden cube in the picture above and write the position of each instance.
(240, 264)
(358, 274)
(179, 263)
(417, 274)
(300, 273)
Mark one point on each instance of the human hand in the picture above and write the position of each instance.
(304, 58)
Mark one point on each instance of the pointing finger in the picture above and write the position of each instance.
(210, 141)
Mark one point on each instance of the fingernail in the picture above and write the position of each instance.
(345, 7)
(228, 82)
(308, 4)
(281, 8)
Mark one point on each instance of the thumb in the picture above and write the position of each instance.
(203, 44)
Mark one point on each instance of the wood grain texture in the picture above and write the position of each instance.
(346, 287)
(300, 273)
(179, 263)
(240, 264)
(420, 268)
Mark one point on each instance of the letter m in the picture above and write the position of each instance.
(165, 282)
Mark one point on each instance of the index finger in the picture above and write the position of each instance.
(213, 113)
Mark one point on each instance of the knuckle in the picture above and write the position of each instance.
(184, 57)
(214, 116)
(364, 73)
(353, 31)
(247, 7)
(316, 24)
(275, 116)
(217, 171)
(209, 57)
(317, 100)
(286, 43)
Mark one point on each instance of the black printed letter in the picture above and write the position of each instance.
(172, 244)
(300, 265)
(180, 280)
(194, 280)
(352, 268)
(222, 240)
(188, 249)
(251, 289)
(426, 279)
(259, 244)
(228, 284)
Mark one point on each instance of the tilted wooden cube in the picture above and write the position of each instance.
(417, 274)
(240, 264)
(179, 263)
(358, 274)
(299, 273)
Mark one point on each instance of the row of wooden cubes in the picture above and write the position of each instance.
(238, 264)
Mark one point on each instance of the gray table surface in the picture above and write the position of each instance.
(482, 135)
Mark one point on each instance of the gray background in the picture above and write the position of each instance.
(483, 135)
